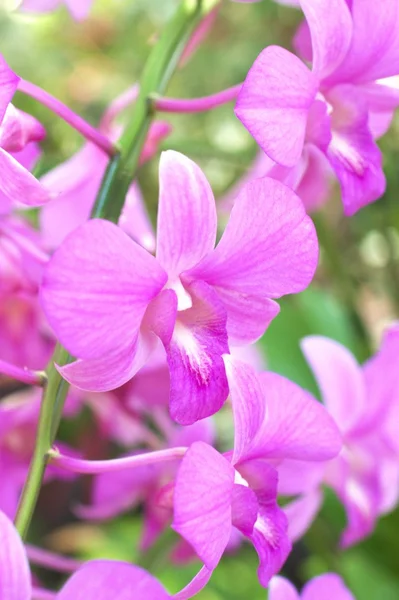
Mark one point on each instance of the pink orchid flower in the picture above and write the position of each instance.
(214, 493)
(191, 296)
(17, 131)
(287, 107)
(79, 9)
(364, 402)
(328, 586)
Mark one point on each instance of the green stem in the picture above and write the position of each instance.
(119, 174)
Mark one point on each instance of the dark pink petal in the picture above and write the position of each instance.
(327, 586)
(331, 35)
(96, 289)
(262, 478)
(315, 186)
(339, 378)
(18, 185)
(318, 130)
(187, 224)
(202, 502)
(301, 513)
(195, 585)
(296, 425)
(15, 578)
(269, 248)
(161, 315)
(271, 542)
(19, 129)
(249, 404)
(199, 35)
(8, 86)
(111, 371)
(198, 384)
(244, 509)
(282, 589)
(274, 102)
(374, 51)
(134, 219)
(103, 579)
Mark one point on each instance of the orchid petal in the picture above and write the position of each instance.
(269, 248)
(301, 513)
(339, 378)
(249, 405)
(298, 477)
(296, 425)
(282, 589)
(326, 586)
(186, 215)
(8, 86)
(198, 384)
(97, 579)
(196, 585)
(274, 102)
(331, 36)
(202, 502)
(271, 542)
(111, 371)
(18, 185)
(96, 289)
(15, 577)
(244, 509)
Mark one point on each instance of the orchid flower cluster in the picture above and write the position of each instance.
(154, 332)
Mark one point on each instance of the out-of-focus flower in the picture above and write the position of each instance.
(17, 131)
(274, 419)
(191, 295)
(324, 587)
(364, 402)
(79, 9)
(288, 108)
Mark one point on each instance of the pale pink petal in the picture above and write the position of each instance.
(18, 185)
(18, 129)
(339, 378)
(298, 477)
(296, 425)
(301, 513)
(330, 24)
(374, 51)
(8, 86)
(187, 224)
(315, 187)
(198, 384)
(282, 589)
(202, 502)
(96, 289)
(328, 587)
(40, 5)
(102, 579)
(15, 578)
(249, 404)
(79, 9)
(134, 219)
(274, 102)
(111, 371)
(271, 542)
(268, 249)
(302, 42)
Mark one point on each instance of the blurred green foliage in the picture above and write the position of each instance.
(355, 293)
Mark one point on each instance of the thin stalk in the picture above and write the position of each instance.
(121, 170)
(195, 105)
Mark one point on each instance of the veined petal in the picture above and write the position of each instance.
(274, 102)
(326, 586)
(187, 223)
(271, 542)
(244, 509)
(296, 425)
(96, 289)
(202, 502)
(18, 185)
(111, 371)
(268, 249)
(249, 404)
(282, 589)
(330, 24)
(339, 378)
(18, 129)
(102, 579)
(374, 51)
(15, 577)
(198, 384)
(8, 86)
